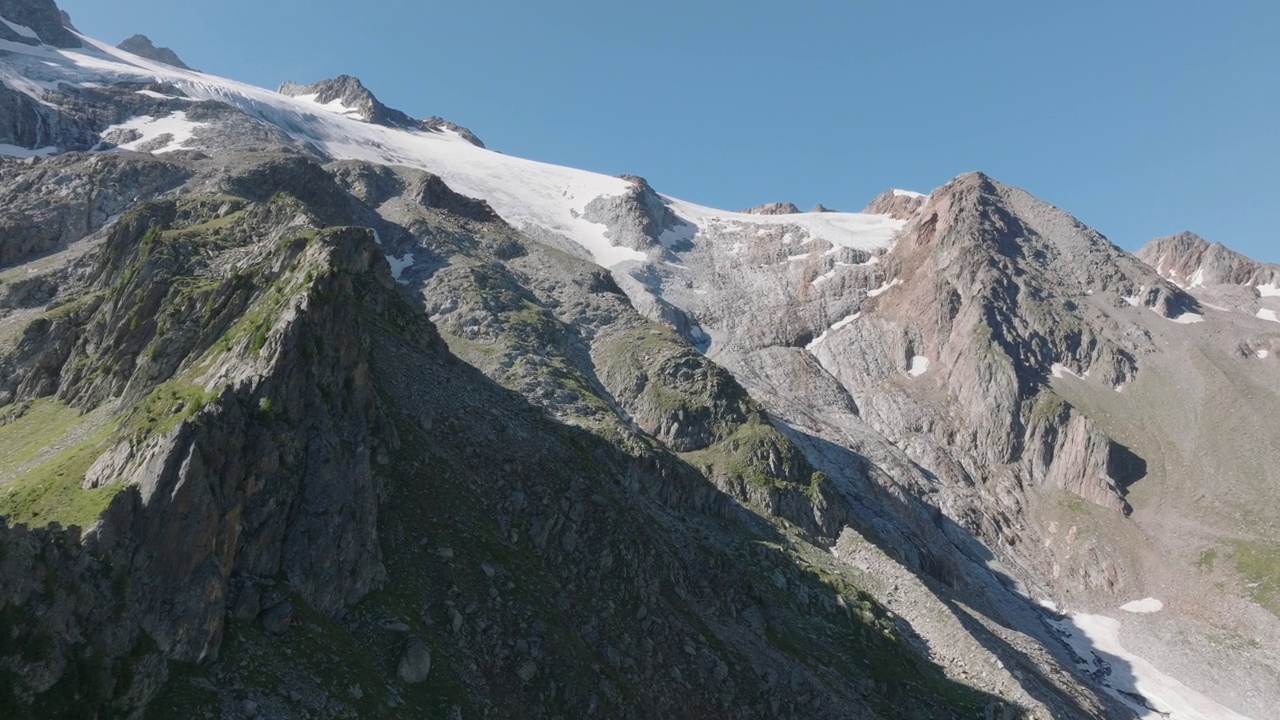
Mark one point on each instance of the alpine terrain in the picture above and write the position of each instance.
(313, 409)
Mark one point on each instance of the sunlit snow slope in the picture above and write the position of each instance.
(525, 193)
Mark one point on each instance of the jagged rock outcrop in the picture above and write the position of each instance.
(775, 208)
(142, 46)
(900, 204)
(60, 200)
(639, 218)
(42, 18)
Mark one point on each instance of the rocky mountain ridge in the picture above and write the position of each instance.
(450, 433)
(353, 98)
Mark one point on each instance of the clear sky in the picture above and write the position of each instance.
(1143, 117)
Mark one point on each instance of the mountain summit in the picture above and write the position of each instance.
(142, 46)
(348, 96)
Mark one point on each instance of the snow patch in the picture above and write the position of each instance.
(1265, 314)
(21, 152)
(1058, 370)
(1197, 280)
(156, 95)
(907, 193)
(1148, 605)
(1095, 639)
(399, 266)
(1264, 354)
(1188, 318)
(334, 106)
(884, 288)
(176, 126)
(919, 366)
(1272, 290)
(22, 30)
(839, 325)
(1134, 300)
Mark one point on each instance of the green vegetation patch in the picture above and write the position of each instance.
(30, 429)
(51, 492)
(1259, 565)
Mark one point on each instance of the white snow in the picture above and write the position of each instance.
(884, 288)
(1197, 280)
(919, 366)
(845, 322)
(1096, 640)
(1265, 314)
(1058, 370)
(158, 96)
(547, 200)
(399, 266)
(1272, 290)
(1264, 354)
(21, 152)
(1133, 300)
(1188, 318)
(907, 193)
(176, 125)
(1146, 605)
(22, 30)
(334, 106)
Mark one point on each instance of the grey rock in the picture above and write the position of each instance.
(895, 204)
(277, 620)
(415, 665)
(142, 46)
(775, 208)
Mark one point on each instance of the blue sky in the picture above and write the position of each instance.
(1142, 118)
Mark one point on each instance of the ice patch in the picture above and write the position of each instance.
(399, 266)
(1148, 605)
(176, 126)
(21, 152)
(884, 288)
(919, 366)
(1095, 639)
(1265, 314)
(156, 95)
(1058, 370)
(22, 30)
(1272, 290)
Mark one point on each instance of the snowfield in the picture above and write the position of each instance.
(1095, 639)
(529, 195)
